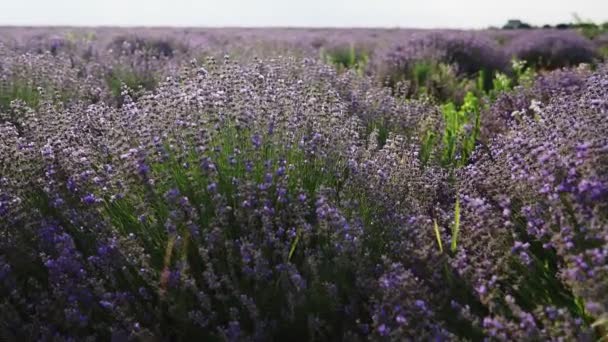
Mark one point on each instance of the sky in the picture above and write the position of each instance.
(300, 13)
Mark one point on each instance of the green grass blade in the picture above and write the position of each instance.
(438, 236)
(294, 245)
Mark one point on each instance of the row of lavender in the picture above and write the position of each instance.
(258, 200)
(143, 57)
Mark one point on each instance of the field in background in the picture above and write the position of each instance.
(316, 184)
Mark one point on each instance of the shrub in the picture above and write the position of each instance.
(18, 90)
(31, 79)
(346, 57)
(222, 219)
(432, 55)
(154, 47)
(541, 194)
(134, 80)
(552, 49)
(510, 106)
(469, 52)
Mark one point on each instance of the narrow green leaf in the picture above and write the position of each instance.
(600, 322)
(438, 236)
(294, 245)
(601, 326)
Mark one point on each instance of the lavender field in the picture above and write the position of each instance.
(303, 184)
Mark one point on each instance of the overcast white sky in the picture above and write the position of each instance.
(324, 13)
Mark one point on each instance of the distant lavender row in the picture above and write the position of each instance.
(485, 48)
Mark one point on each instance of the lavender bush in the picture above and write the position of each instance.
(510, 105)
(208, 179)
(552, 49)
(427, 54)
(542, 203)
